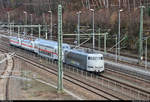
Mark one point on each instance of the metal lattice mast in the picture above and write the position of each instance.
(116, 48)
(141, 36)
(39, 31)
(51, 27)
(25, 30)
(51, 36)
(9, 21)
(120, 10)
(93, 33)
(99, 40)
(146, 54)
(18, 32)
(60, 38)
(119, 34)
(31, 24)
(78, 36)
(10, 30)
(93, 29)
(105, 39)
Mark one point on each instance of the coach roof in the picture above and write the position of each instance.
(48, 42)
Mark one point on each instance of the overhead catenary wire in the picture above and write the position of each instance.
(117, 43)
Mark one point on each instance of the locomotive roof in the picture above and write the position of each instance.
(85, 52)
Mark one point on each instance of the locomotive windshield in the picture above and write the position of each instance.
(95, 58)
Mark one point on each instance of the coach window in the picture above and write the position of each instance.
(89, 58)
(94, 58)
(50, 54)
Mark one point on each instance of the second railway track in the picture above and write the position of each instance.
(4, 80)
(97, 91)
(5, 40)
(112, 96)
(77, 80)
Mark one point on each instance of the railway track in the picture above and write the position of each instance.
(119, 60)
(107, 59)
(120, 83)
(52, 69)
(8, 82)
(112, 52)
(104, 78)
(129, 81)
(4, 80)
(87, 46)
(3, 70)
(71, 79)
(75, 81)
(130, 63)
(141, 66)
(85, 83)
(126, 77)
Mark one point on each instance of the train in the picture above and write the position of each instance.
(79, 58)
(85, 59)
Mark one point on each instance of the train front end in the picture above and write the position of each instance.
(95, 63)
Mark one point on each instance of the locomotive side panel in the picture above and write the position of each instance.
(76, 60)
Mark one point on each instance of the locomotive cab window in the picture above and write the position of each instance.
(95, 58)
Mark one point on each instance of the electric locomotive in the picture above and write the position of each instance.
(84, 59)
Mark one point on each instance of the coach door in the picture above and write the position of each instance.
(32, 45)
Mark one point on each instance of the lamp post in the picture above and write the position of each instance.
(51, 25)
(78, 36)
(141, 35)
(31, 27)
(60, 41)
(9, 22)
(25, 21)
(24, 34)
(119, 32)
(44, 23)
(93, 29)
